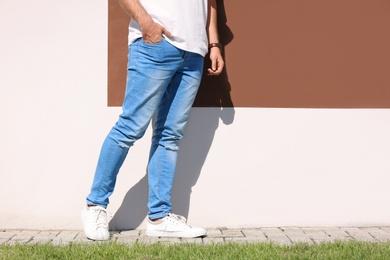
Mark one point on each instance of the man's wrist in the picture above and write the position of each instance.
(215, 44)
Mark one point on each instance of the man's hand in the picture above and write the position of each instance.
(152, 32)
(217, 62)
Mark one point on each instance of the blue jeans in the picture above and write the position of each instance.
(162, 80)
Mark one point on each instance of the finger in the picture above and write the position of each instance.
(217, 65)
(220, 65)
(154, 38)
(167, 33)
(214, 64)
(217, 69)
(148, 38)
(211, 72)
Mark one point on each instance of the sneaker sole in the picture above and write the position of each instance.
(153, 233)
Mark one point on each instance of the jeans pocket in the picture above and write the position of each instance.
(154, 43)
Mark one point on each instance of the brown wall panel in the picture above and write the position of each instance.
(118, 22)
(283, 53)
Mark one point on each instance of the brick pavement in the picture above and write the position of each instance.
(281, 235)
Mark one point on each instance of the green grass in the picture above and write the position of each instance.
(112, 250)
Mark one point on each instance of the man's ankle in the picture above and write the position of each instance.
(155, 220)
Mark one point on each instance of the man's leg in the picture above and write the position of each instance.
(150, 69)
(172, 117)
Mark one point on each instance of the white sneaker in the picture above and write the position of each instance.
(173, 226)
(95, 223)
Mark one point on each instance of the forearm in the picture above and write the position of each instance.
(151, 31)
(212, 28)
(216, 58)
(136, 11)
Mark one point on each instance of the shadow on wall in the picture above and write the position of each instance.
(213, 92)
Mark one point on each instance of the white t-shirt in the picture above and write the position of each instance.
(185, 19)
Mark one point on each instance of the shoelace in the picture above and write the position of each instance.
(182, 220)
(178, 217)
(101, 217)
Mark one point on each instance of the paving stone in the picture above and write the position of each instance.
(359, 234)
(142, 233)
(276, 235)
(337, 234)
(273, 231)
(297, 231)
(257, 233)
(387, 229)
(312, 230)
(82, 239)
(114, 234)
(232, 233)
(377, 233)
(142, 238)
(128, 236)
(23, 237)
(300, 239)
(44, 237)
(212, 233)
(296, 235)
(317, 235)
(374, 230)
(283, 235)
(65, 237)
(8, 234)
(130, 233)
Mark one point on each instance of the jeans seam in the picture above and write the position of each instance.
(159, 176)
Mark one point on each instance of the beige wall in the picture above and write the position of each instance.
(238, 166)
